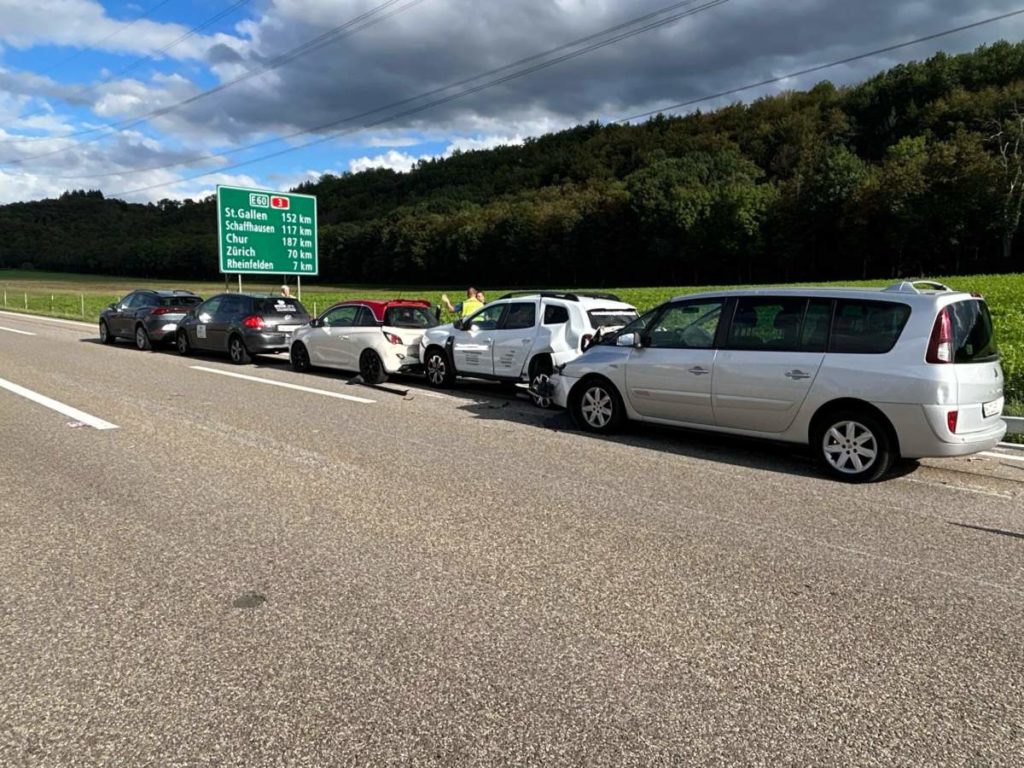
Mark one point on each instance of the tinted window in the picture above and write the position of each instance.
(144, 300)
(691, 325)
(520, 315)
(555, 315)
(639, 325)
(132, 301)
(210, 307)
(973, 338)
(366, 318)
(409, 317)
(279, 306)
(232, 306)
(611, 318)
(867, 327)
(814, 333)
(179, 301)
(767, 323)
(341, 316)
(487, 318)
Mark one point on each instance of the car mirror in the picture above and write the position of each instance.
(316, 323)
(628, 340)
(112, 306)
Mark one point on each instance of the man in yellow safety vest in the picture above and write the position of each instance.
(464, 309)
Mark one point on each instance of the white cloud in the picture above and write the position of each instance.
(394, 160)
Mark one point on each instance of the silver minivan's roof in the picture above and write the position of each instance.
(906, 292)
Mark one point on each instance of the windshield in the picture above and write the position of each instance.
(409, 317)
(180, 301)
(611, 318)
(974, 340)
(636, 325)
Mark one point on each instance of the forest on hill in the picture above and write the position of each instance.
(917, 171)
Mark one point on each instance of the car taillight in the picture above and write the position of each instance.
(254, 321)
(585, 341)
(951, 419)
(161, 311)
(940, 345)
(392, 338)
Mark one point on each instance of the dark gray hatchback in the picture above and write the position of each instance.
(241, 324)
(147, 317)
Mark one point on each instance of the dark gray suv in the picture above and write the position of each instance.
(241, 324)
(147, 317)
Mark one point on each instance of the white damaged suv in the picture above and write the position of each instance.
(862, 376)
(521, 337)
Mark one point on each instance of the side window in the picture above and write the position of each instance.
(767, 323)
(143, 300)
(209, 308)
(555, 315)
(814, 333)
(487, 318)
(520, 315)
(131, 301)
(867, 327)
(230, 306)
(690, 325)
(365, 318)
(341, 317)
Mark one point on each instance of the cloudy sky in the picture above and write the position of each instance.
(167, 98)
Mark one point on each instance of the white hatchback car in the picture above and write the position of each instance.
(521, 337)
(376, 338)
(862, 376)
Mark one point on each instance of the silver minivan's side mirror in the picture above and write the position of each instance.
(628, 340)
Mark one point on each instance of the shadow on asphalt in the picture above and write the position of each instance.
(997, 531)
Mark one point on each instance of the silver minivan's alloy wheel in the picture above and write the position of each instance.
(597, 406)
(850, 447)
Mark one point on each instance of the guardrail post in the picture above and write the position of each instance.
(51, 303)
(82, 297)
(315, 313)
(26, 301)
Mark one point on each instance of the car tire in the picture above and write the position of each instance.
(237, 352)
(299, 357)
(597, 407)
(142, 342)
(106, 337)
(540, 373)
(182, 343)
(853, 446)
(439, 369)
(371, 367)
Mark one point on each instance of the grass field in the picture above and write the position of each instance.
(84, 296)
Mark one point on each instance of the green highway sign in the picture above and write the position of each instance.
(263, 232)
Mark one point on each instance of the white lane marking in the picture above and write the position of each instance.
(1007, 456)
(324, 392)
(26, 316)
(15, 330)
(52, 404)
(963, 488)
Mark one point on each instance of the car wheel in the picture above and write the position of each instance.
(597, 407)
(371, 368)
(142, 342)
(540, 375)
(300, 358)
(854, 447)
(106, 337)
(439, 370)
(237, 351)
(182, 343)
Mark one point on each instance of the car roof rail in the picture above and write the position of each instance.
(911, 286)
(566, 295)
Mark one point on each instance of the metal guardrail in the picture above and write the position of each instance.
(1014, 425)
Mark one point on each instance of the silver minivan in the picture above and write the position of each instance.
(864, 377)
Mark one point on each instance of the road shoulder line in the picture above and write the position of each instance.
(55, 405)
(271, 382)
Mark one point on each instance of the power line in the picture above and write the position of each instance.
(820, 67)
(350, 27)
(466, 92)
(126, 69)
(418, 97)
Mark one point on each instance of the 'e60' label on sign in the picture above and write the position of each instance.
(266, 232)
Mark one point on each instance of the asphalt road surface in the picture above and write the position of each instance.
(236, 573)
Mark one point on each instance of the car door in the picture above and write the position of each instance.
(233, 307)
(119, 319)
(669, 377)
(768, 361)
(198, 327)
(472, 347)
(330, 344)
(513, 340)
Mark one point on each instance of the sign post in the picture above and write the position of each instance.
(266, 233)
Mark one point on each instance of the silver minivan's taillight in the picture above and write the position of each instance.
(940, 345)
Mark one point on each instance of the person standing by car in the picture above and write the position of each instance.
(286, 291)
(464, 309)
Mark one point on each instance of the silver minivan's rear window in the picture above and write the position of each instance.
(974, 339)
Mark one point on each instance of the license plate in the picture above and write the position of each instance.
(992, 409)
(286, 328)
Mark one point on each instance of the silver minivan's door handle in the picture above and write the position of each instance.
(698, 371)
(797, 375)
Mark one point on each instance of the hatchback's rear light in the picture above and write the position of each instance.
(393, 338)
(254, 321)
(940, 345)
(951, 419)
(586, 341)
(162, 310)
